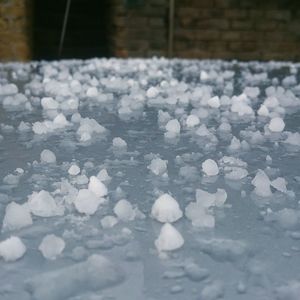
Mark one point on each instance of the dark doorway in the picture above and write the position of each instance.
(87, 30)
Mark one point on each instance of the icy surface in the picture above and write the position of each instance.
(149, 179)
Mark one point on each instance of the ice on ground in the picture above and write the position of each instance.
(169, 239)
(108, 221)
(235, 145)
(42, 204)
(87, 202)
(287, 218)
(199, 215)
(293, 139)
(87, 128)
(235, 173)
(166, 209)
(60, 121)
(52, 246)
(49, 103)
(195, 273)
(16, 217)
(124, 210)
(119, 143)
(12, 249)
(152, 92)
(262, 184)
(92, 92)
(207, 199)
(210, 167)
(103, 176)
(192, 121)
(173, 126)
(74, 170)
(213, 291)
(97, 187)
(290, 291)
(263, 111)
(158, 166)
(222, 249)
(276, 124)
(214, 102)
(279, 184)
(47, 156)
(95, 274)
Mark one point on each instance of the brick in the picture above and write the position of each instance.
(222, 3)
(266, 25)
(242, 25)
(221, 24)
(279, 15)
(156, 22)
(230, 35)
(256, 13)
(236, 13)
(242, 46)
(207, 35)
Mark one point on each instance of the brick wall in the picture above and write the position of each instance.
(15, 36)
(228, 29)
(139, 30)
(241, 29)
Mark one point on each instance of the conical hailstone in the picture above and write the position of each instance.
(16, 216)
(12, 249)
(166, 209)
(86, 202)
(124, 210)
(97, 187)
(169, 239)
(276, 125)
(210, 167)
(52, 246)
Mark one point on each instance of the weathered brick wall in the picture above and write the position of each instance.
(241, 29)
(15, 36)
(229, 29)
(139, 30)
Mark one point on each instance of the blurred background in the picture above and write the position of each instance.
(225, 29)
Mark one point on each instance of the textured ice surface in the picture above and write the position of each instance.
(220, 139)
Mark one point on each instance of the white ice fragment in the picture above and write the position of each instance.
(199, 216)
(42, 204)
(87, 202)
(103, 175)
(97, 187)
(213, 291)
(290, 291)
(119, 143)
(169, 239)
(74, 170)
(235, 173)
(16, 216)
(94, 274)
(293, 139)
(206, 199)
(152, 92)
(210, 167)
(12, 249)
(60, 121)
(214, 102)
(276, 124)
(124, 210)
(92, 92)
(158, 166)
(49, 103)
(235, 144)
(109, 221)
(47, 156)
(166, 209)
(279, 184)
(173, 126)
(263, 111)
(52, 246)
(262, 184)
(192, 121)
(194, 272)
(287, 218)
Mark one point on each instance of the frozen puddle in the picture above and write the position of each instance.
(149, 179)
